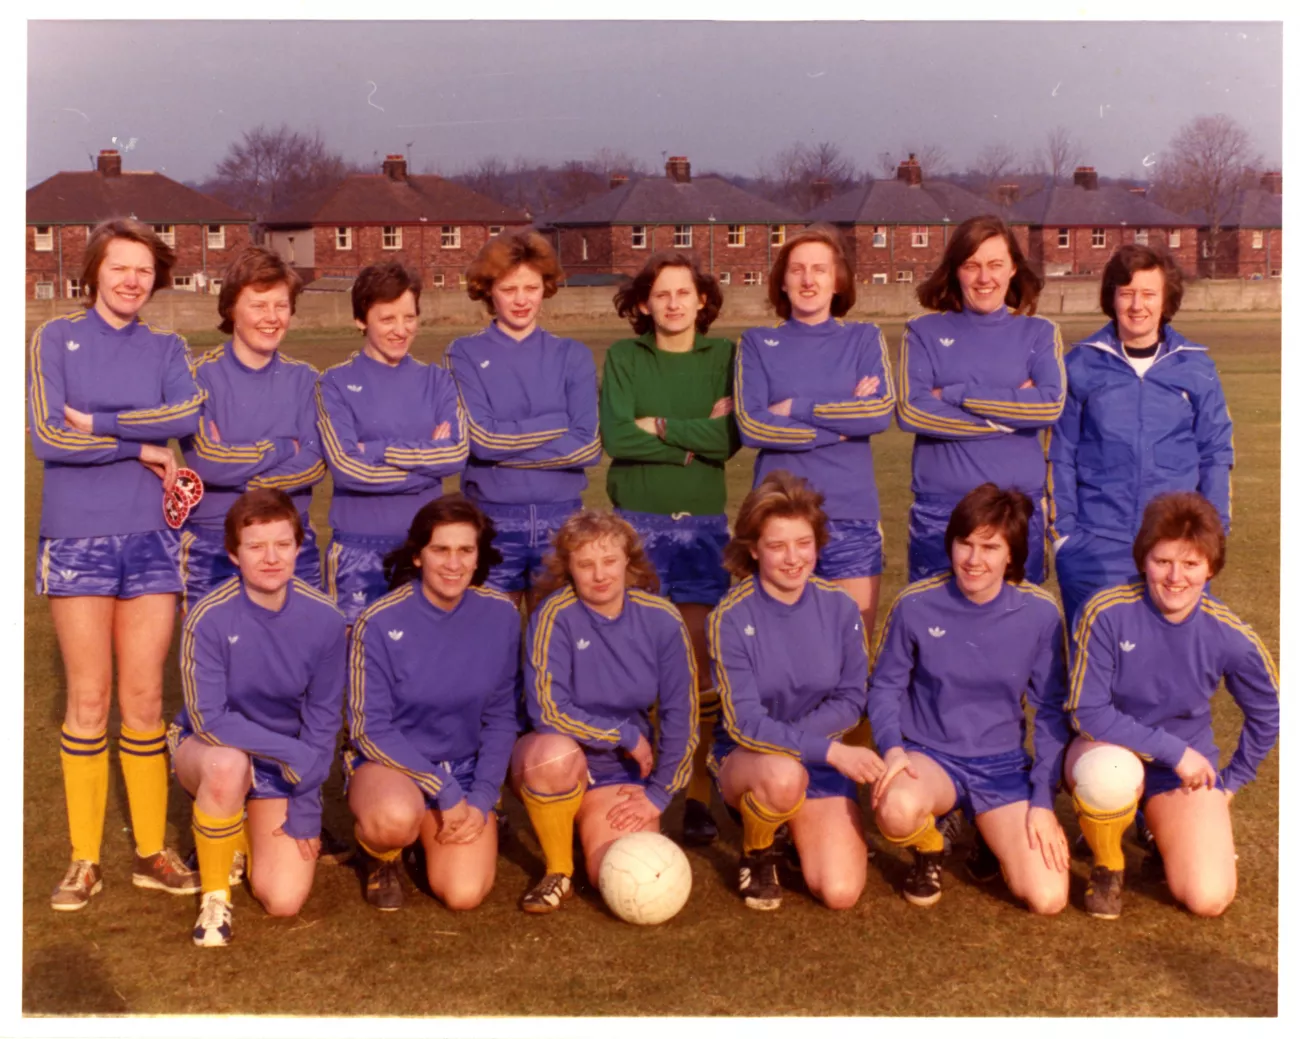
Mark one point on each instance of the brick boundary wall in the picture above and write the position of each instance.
(587, 307)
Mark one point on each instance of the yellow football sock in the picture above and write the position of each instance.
(1104, 832)
(144, 768)
(85, 786)
(927, 838)
(382, 856)
(552, 817)
(760, 823)
(700, 788)
(216, 840)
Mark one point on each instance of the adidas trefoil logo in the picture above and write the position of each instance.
(395, 635)
(938, 633)
(67, 575)
(1128, 647)
(485, 364)
(358, 596)
(73, 345)
(749, 629)
(354, 388)
(232, 639)
(583, 643)
(946, 342)
(772, 342)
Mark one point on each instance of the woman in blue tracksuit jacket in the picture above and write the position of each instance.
(1144, 414)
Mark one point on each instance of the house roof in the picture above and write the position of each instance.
(896, 202)
(87, 197)
(1106, 206)
(663, 200)
(376, 198)
(1253, 207)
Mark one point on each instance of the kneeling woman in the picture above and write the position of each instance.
(262, 662)
(602, 651)
(957, 653)
(432, 686)
(1150, 656)
(790, 665)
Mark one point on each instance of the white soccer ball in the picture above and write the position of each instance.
(645, 878)
(1107, 777)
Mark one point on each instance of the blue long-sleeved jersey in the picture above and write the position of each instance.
(269, 683)
(1144, 683)
(532, 412)
(595, 679)
(952, 674)
(138, 387)
(428, 687)
(1123, 438)
(818, 367)
(259, 414)
(983, 428)
(791, 678)
(376, 426)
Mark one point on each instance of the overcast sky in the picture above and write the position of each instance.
(726, 94)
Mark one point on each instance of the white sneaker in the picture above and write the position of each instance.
(213, 924)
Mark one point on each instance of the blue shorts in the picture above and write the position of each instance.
(268, 780)
(686, 552)
(462, 770)
(610, 768)
(523, 537)
(1160, 779)
(122, 566)
(1089, 562)
(354, 571)
(205, 563)
(823, 780)
(926, 524)
(983, 783)
(856, 549)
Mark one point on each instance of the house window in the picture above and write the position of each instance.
(584, 247)
(460, 281)
(877, 238)
(921, 238)
(880, 279)
(778, 234)
(1099, 238)
(495, 229)
(735, 235)
(214, 286)
(45, 290)
(1063, 237)
(167, 232)
(724, 277)
(74, 288)
(216, 236)
(450, 237)
(903, 276)
(439, 280)
(681, 236)
(1257, 239)
(392, 238)
(343, 238)
(638, 236)
(753, 278)
(1140, 236)
(183, 281)
(1175, 239)
(44, 240)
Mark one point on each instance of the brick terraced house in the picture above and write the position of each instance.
(63, 209)
(431, 224)
(1249, 243)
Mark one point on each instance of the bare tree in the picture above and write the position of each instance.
(994, 161)
(787, 177)
(1058, 156)
(608, 161)
(488, 177)
(270, 168)
(932, 158)
(1207, 163)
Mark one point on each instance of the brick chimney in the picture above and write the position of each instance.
(1272, 182)
(909, 171)
(395, 167)
(678, 168)
(821, 191)
(1085, 177)
(1008, 194)
(1139, 192)
(617, 180)
(110, 162)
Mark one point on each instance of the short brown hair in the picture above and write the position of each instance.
(846, 289)
(1127, 261)
(383, 283)
(629, 298)
(783, 495)
(1181, 516)
(584, 527)
(164, 258)
(399, 564)
(503, 254)
(261, 505)
(1007, 512)
(942, 291)
(257, 268)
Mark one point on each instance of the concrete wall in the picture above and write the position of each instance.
(592, 307)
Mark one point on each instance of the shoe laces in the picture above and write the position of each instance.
(214, 911)
(551, 888)
(78, 875)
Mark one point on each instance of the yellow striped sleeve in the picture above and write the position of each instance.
(751, 426)
(51, 432)
(1095, 606)
(682, 774)
(550, 712)
(940, 425)
(1224, 615)
(342, 461)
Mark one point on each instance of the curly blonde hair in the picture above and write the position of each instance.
(584, 527)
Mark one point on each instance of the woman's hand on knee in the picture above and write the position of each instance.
(461, 824)
(896, 761)
(1195, 770)
(860, 764)
(1045, 834)
(634, 812)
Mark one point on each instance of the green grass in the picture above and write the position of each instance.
(975, 953)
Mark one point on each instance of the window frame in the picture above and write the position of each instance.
(879, 278)
(776, 236)
(920, 238)
(390, 237)
(183, 282)
(43, 242)
(343, 239)
(43, 290)
(751, 278)
(1176, 238)
(639, 231)
(1141, 236)
(449, 236)
(879, 236)
(1063, 238)
(438, 281)
(1099, 244)
(735, 236)
(1256, 239)
(166, 233)
(724, 277)
(683, 236)
(902, 277)
(215, 239)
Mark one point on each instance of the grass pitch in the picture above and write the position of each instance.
(975, 953)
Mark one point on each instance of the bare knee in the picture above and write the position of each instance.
(898, 814)
(282, 901)
(551, 763)
(1045, 899)
(1208, 898)
(783, 784)
(840, 892)
(465, 894)
(87, 710)
(224, 778)
(390, 824)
